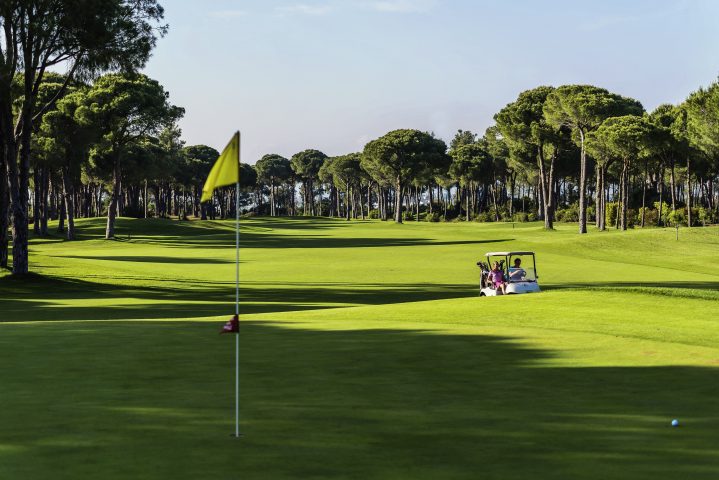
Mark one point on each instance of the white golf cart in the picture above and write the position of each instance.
(519, 269)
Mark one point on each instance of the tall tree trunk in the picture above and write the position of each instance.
(625, 190)
(673, 186)
(360, 200)
(513, 179)
(466, 201)
(338, 204)
(644, 191)
(494, 199)
(61, 220)
(348, 193)
(661, 193)
(546, 181)
(538, 199)
(272, 198)
(17, 201)
(37, 194)
(601, 196)
(99, 190)
(68, 194)
(710, 194)
(4, 213)
(369, 198)
(293, 205)
(398, 200)
(416, 198)
(112, 208)
(44, 195)
(203, 210)
(445, 202)
(689, 193)
(582, 185)
(618, 197)
(431, 197)
(598, 196)
(19, 173)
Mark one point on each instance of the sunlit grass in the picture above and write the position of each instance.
(365, 353)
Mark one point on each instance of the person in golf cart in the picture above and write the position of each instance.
(496, 277)
(517, 273)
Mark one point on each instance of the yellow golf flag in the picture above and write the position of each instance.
(226, 170)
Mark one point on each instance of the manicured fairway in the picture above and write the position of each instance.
(365, 353)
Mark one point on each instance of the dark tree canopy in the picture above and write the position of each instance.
(307, 163)
(126, 109)
(399, 155)
(583, 108)
(87, 36)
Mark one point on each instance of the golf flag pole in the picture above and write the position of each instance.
(237, 291)
(224, 173)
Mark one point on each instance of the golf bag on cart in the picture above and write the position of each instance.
(484, 274)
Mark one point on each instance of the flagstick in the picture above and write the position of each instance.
(237, 292)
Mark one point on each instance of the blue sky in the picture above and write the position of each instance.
(331, 74)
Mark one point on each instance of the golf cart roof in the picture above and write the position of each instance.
(505, 254)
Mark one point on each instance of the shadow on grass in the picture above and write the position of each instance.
(270, 240)
(154, 259)
(373, 403)
(254, 233)
(708, 290)
(41, 298)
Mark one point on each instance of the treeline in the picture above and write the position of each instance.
(573, 153)
(50, 124)
(102, 140)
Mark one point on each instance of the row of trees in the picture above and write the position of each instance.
(38, 35)
(112, 147)
(91, 143)
(533, 158)
(551, 148)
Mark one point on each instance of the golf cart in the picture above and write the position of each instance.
(518, 280)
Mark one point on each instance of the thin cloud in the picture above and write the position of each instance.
(604, 22)
(227, 13)
(607, 21)
(401, 6)
(305, 9)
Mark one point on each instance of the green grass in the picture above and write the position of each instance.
(365, 353)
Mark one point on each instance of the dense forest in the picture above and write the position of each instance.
(103, 140)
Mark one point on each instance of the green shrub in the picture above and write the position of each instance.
(408, 216)
(569, 214)
(485, 217)
(374, 214)
(665, 212)
(532, 217)
(520, 217)
(631, 217)
(705, 216)
(611, 211)
(677, 217)
(503, 214)
(591, 213)
(432, 217)
(651, 216)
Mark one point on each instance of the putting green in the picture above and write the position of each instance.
(365, 353)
